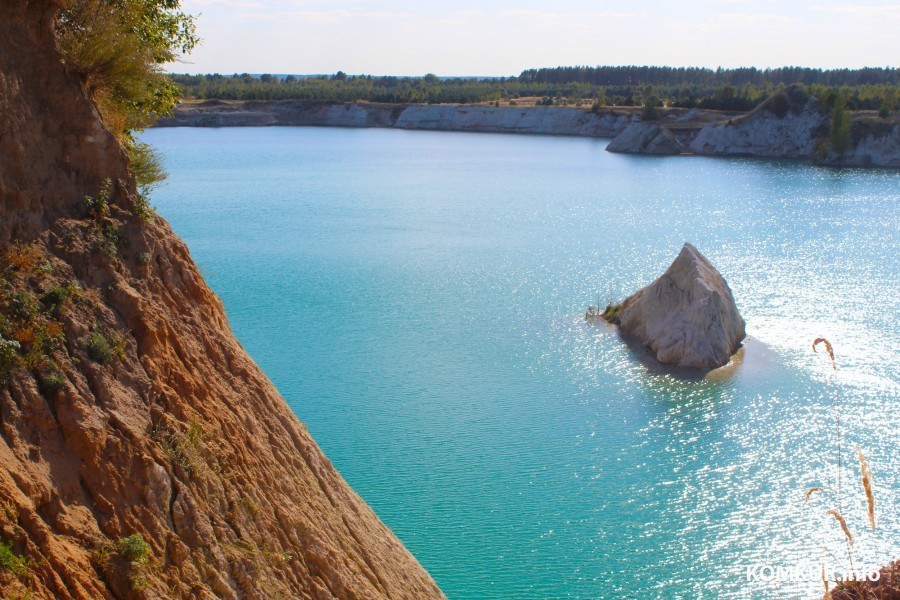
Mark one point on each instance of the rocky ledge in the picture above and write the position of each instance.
(687, 316)
(790, 124)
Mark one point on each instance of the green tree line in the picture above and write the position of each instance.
(734, 89)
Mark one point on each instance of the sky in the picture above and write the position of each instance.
(501, 37)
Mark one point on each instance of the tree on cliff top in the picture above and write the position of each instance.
(119, 48)
(840, 126)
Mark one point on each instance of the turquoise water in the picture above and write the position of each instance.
(416, 297)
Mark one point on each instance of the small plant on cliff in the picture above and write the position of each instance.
(51, 383)
(107, 238)
(18, 565)
(59, 297)
(99, 206)
(148, 170)
(9, 358)
(611, 313)
(23, 258)
(101, 347)
(183, 448)
(134, 549)
(98, 348)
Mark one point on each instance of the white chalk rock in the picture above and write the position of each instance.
(688, 316)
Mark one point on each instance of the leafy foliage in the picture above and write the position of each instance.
(18, 565)
(119, 47)
(723, 89)
(30, 331)
(840, 126)
(134, 549)
(650, 113)
(51, 383)
(9, 357)
(98, 206)
(101, 349)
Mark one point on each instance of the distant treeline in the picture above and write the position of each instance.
(677, 76)
(721, 89)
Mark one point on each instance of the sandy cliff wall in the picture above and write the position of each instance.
(172, 433)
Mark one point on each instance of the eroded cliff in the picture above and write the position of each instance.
(556, 120)
(142, 452)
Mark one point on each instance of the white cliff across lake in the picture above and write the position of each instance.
(687, 316)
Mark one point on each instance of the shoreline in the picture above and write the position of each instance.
(758, 134)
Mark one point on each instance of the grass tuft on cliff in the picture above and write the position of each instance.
(18, 565)
(611, 313)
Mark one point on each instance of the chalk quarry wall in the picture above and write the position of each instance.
(530, 119)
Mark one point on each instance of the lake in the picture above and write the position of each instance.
(417, 297)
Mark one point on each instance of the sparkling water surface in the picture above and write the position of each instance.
(417, 299)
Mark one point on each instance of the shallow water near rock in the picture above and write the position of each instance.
(417, 297)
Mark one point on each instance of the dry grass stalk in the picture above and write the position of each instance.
(811, 491)
(840, 519)
(828, 349)
(867, 485)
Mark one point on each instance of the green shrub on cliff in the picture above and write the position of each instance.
(840, 126)
(650, 112)
(9, 357)
(119, 48)
(98, 348)
(18, 565)
(134, 549)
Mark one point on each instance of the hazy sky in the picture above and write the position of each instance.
(501, 37)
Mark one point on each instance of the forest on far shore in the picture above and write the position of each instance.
(686, 87)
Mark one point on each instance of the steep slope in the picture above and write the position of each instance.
(787, 125)
(127, 408)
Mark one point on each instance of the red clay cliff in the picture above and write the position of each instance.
(127, 407)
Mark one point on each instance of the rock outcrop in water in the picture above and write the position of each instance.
(687, 316)
(142, 452)
(646, 138)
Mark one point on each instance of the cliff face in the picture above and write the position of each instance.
(526, 119)
(791, 124)
(790, 128)
(874, 142)
(127, 408)
(797, 132)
